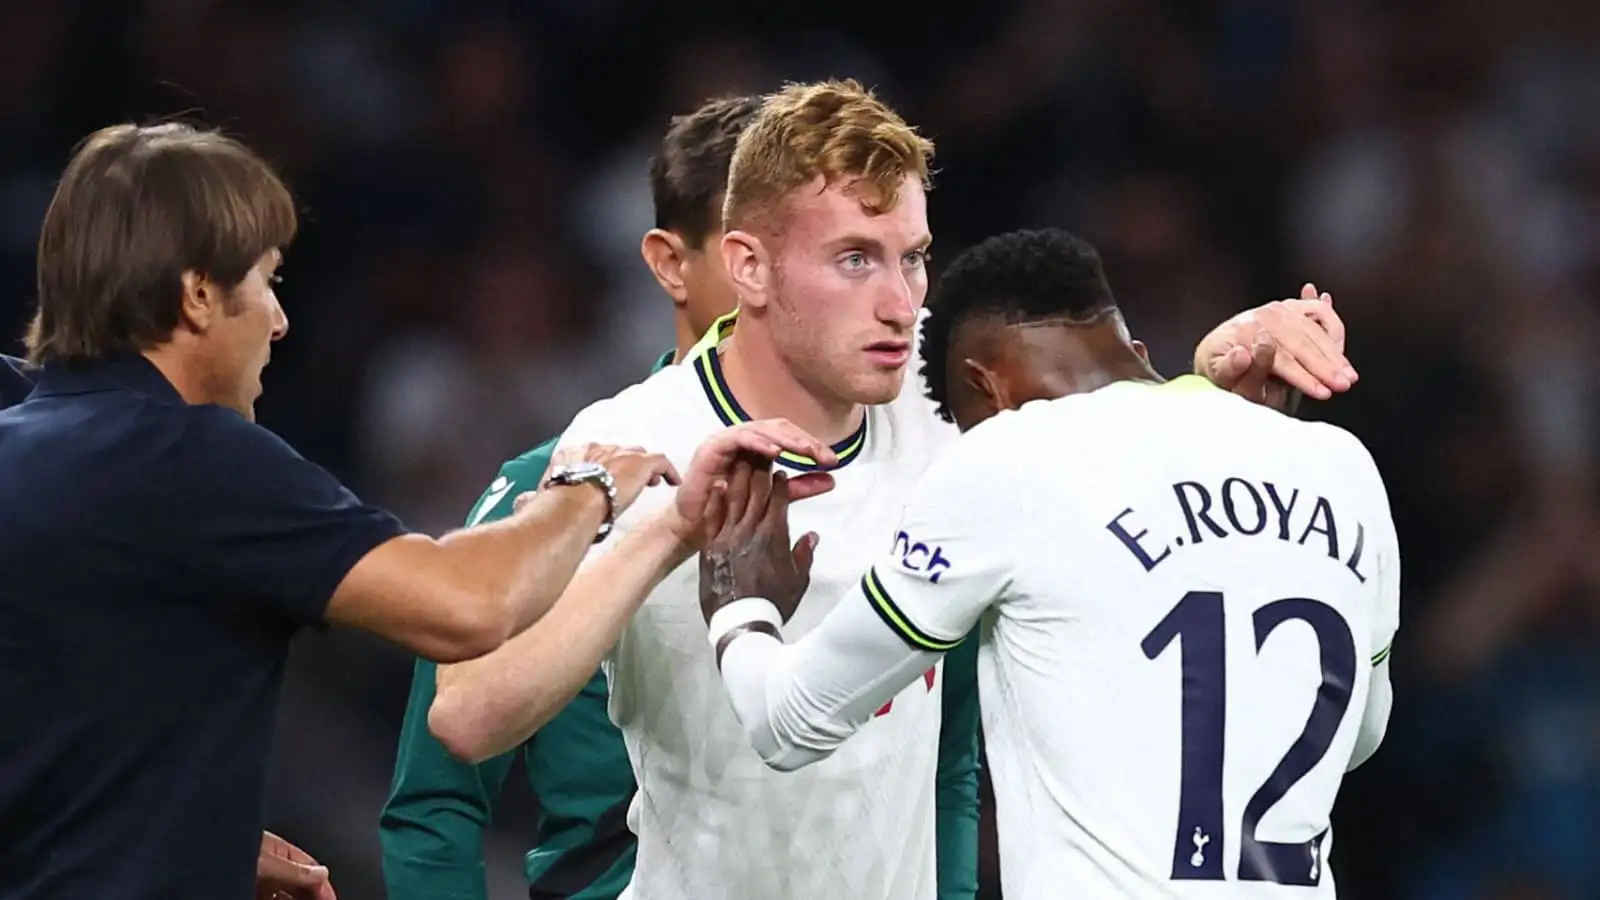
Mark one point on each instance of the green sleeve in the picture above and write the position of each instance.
(432, 826)
(957, 795)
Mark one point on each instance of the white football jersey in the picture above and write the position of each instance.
(714, 823)
(1186, 594)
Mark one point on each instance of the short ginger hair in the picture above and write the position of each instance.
(836, 129)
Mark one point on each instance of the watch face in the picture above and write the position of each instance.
(583, 469)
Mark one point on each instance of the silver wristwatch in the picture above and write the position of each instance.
(589, 473)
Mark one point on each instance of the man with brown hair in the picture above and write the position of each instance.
(158, 550)
(826, 243)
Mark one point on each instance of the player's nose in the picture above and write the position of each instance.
(280, 321)
(897, 304)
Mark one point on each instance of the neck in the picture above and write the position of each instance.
(767, 390)
(175, 367)
(1113, 363)
(1107, 373)
(1076, 359)
(686, 337)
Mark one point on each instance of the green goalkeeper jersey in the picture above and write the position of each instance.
(432, 826)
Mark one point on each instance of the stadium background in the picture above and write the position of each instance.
(468, 277)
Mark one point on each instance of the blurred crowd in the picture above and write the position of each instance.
(474, 181)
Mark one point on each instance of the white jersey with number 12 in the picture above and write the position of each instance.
(1186, 595)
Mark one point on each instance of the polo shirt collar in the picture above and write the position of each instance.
(121, 372)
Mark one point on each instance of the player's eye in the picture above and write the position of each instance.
(917, 258)
(854, 260)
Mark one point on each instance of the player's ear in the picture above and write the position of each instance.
(986, 386)
(202, 300)
(1141, 349)
(664, 253)
(749, 266)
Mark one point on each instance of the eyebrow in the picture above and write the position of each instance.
(863, 242)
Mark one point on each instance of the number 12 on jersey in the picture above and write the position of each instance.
(1198, 624)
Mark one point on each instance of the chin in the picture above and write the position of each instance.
(879, 388)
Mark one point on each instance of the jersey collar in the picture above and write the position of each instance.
(708, 366)
(123, 371)
(1188, 383)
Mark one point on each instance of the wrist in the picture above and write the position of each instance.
(580, 505)
(664, 540)
(750, 615)
(595, 476)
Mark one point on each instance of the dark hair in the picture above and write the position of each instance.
(689, 174)
(1020, 276)
(136, 208)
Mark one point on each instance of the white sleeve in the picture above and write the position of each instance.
(1375, 717)
(1386, 623)
(799, 702)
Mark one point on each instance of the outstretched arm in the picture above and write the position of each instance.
(489, 705)
(799, 702)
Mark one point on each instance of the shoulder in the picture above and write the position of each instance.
(208, 429)
(1348, 456)
(981, 469)
(223, 458)
(15, 384)
(659, 405)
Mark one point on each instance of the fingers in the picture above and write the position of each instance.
(769, 437)
(1322, 313)
(1289, 369)
(775, 517)
(805, 550)
(810, 484)
(1229, 368)
(286, 871)
(1252, 366)
(716, 512)
(1308, 291)
(760, 495)
(1263, 352)
(1309, 358)
(738, 493)
(663, 470)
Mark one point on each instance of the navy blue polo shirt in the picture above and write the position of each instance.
(15, 385)
(156, 558)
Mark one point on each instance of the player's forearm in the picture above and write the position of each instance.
(431, 829)
(492, 704)
(798, 703)
(525, 560)
(463, 595)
